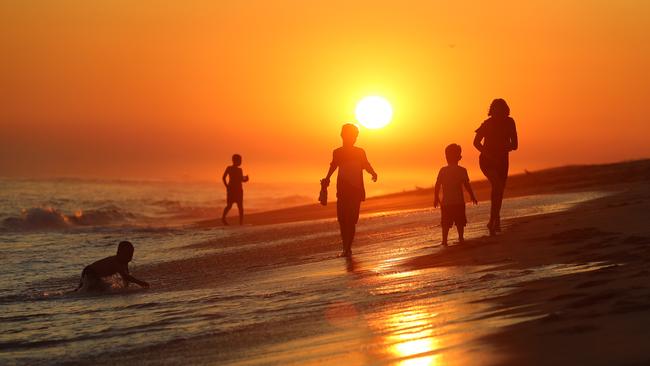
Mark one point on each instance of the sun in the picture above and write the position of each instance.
(374, 112)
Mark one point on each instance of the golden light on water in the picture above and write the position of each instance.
(416, 338)
(416, 347)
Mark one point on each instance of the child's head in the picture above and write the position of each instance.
(349, 134)
(236, 160)
(452, 153)
(125, 251)
(499, 108)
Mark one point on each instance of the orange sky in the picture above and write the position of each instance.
(127, 89)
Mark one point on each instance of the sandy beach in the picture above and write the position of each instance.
(566, 283)
(596, 315)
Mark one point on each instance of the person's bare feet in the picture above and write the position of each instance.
(223, 220)
(490, 227)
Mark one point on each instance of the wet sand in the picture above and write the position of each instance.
(566, 287)
(596, 316)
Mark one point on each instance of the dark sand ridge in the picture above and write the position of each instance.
(597, 317)
(554, 180)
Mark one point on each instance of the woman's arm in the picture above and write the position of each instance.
(514, 141)
(477, 142)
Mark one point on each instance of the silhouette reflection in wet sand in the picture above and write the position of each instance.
(351, 162)
(495, 138)
(234, 189)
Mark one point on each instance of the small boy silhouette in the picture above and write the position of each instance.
(234, 189)
(91, 276)
(452, 178)
(351, 161)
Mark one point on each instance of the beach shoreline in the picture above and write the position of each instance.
(573, 178)
(575, 315)
(552, 289)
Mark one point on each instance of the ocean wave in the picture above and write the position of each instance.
(49, 218)
(57, 215)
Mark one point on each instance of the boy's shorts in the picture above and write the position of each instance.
(235, 196)
(453, 214)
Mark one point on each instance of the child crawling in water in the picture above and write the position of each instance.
(91, 276)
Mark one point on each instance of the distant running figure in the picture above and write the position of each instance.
(92, 276)
(452, 178)
(495, 138)
(351, 161)
(234, 189)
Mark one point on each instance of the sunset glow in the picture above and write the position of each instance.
(134, 90)
(374, 112)
(325, 182)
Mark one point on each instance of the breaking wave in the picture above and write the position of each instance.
(49, 218)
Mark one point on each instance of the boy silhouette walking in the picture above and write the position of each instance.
(452, 178)
(351, 161)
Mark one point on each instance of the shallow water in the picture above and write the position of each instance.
(411, 315)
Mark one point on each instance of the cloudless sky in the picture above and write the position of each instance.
(170, 89)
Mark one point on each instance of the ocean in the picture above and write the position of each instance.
(214, 282)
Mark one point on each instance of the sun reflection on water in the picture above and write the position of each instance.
(413, 342)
